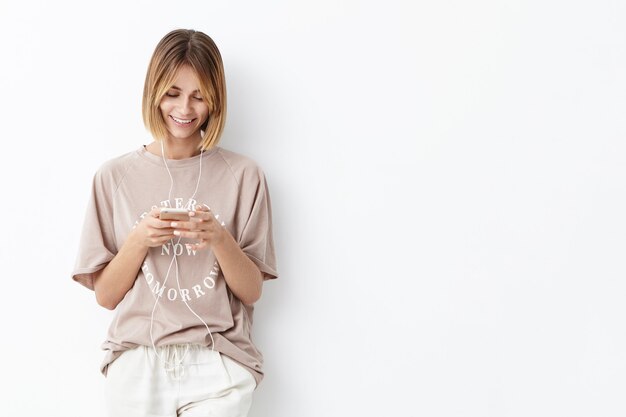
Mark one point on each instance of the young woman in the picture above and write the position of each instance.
(182, 287)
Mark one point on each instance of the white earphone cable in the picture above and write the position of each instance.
(175, 366)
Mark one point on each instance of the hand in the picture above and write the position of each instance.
(202, 225)
(152, 231)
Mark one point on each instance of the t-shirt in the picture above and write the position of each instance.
(124, 190)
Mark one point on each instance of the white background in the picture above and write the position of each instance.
(447, 179)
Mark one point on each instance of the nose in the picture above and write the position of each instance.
(184, 106)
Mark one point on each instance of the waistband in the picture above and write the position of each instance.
(173, 357)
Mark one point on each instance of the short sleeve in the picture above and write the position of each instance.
(97, 242)
(256, 239)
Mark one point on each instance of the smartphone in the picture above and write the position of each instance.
(174, 214)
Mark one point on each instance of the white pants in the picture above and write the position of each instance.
(188, 380)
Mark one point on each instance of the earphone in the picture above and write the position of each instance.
(169, 366)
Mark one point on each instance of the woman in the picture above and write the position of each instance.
(183, 290)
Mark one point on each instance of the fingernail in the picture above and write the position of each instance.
(174, 224)
(176, 232)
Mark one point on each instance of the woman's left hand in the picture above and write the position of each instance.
(203, 226)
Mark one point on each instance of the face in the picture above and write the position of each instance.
(183, 108)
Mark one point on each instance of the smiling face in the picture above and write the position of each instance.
(183, 108)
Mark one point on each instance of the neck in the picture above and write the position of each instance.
(175, 149)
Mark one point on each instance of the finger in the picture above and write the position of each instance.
(158, 223)
(200, 220)
(160, 240)
(189, 234)
(203, 244)
(155, 212)
(200, 245)
(155, 233)
(195, 224)
(205, 215)
(200, 210)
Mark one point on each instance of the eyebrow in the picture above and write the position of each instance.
(178, 88)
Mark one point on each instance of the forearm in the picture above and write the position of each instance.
(241, 274)
(113, 282)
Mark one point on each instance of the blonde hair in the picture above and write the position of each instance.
(179, 48)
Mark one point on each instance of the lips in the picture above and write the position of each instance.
(181, 122)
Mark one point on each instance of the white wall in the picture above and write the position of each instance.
(448, 188)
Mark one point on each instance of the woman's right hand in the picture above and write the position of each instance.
(152, 231)
(113, 282)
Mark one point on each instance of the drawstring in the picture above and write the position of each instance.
(174, 366)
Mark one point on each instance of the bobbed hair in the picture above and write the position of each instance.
(179, 48)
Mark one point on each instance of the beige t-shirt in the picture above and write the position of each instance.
(124, 190)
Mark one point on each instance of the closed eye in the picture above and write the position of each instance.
(176, 95)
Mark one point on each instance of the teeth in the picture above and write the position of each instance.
(182, 121)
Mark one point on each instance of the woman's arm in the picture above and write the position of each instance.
(242, 276)
(113, 282)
